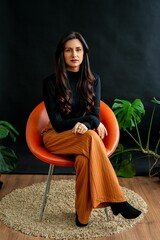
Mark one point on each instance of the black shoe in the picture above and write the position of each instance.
(125, 209)
(78, 222)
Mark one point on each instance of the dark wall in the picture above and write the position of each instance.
(124, 40)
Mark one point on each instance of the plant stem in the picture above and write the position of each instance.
(134, 139)
(157, 145)
(144, 151)
(126, 150)
(150, 126)
(139, 138)
(150, 170)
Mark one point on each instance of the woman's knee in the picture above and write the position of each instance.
(81, 162)
(92, 134)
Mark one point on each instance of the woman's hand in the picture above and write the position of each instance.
(79, 128)
(102, 131)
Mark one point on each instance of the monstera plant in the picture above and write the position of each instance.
(129, 115)
(8, 158)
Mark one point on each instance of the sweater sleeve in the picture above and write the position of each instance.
(59, 122)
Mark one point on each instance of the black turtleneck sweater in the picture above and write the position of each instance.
(61, 121)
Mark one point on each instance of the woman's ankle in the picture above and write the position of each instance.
(78, 223)
(125, 209)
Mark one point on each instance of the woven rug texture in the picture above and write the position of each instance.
(20, 211)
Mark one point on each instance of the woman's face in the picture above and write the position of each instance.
(73, 54)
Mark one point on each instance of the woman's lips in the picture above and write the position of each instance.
(74, 60)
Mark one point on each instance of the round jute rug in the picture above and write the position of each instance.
(20, 211)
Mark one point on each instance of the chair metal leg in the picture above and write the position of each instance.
(106, 212)
(46, 192)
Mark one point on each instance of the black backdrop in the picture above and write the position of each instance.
(124, 41)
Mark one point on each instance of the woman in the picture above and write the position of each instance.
(72, 99)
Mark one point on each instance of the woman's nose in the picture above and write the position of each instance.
(74, 53)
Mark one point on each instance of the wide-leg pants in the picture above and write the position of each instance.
(96, 181)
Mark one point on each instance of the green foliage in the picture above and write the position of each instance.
(7, 129)
(123, 163)
(126, 169)
(129, 115)
(8, 158)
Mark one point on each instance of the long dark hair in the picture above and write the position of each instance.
(86, 78)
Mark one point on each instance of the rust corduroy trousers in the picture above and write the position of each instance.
(96, 181)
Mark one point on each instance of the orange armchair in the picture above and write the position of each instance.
(38, 120)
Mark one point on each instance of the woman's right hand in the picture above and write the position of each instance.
(102, 131)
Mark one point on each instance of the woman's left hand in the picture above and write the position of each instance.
(102, 131)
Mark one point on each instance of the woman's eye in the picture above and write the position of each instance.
(70, 50)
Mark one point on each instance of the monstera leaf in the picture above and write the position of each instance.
(6, 129)
(126, 169)
(128, 114)
(122, 162)
(8, 159)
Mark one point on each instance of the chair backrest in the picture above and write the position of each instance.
(109, 120)
(39, 118)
